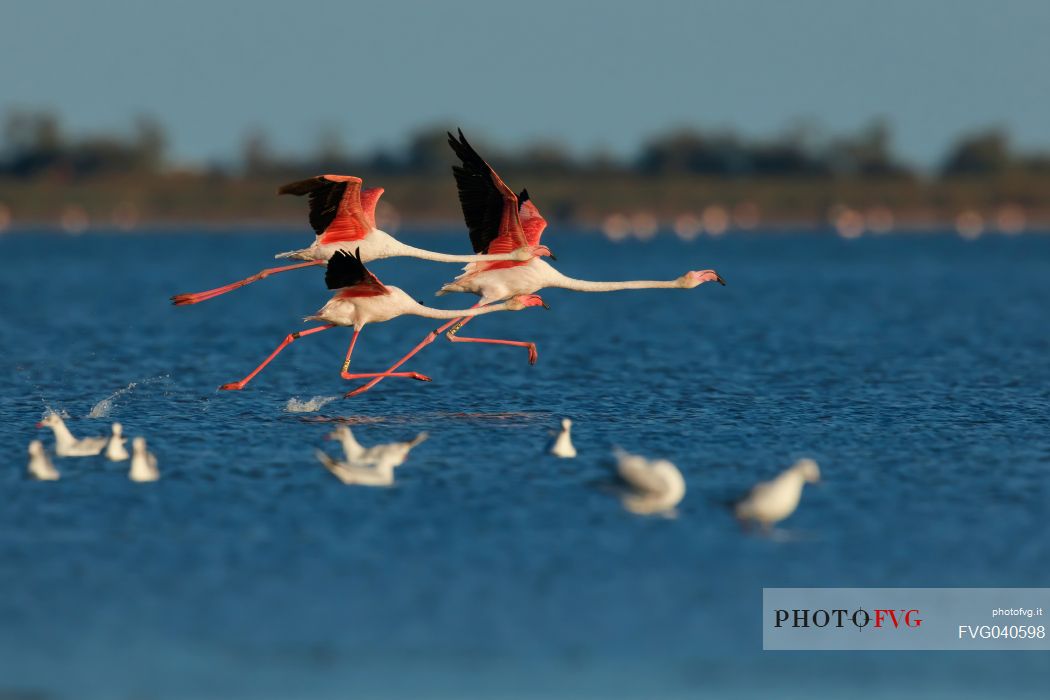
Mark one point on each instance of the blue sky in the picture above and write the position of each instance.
(589, 74)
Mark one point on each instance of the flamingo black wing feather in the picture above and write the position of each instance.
(480, 199)
(345, 270)
(325, 197)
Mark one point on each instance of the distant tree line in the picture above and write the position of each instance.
(35, 145)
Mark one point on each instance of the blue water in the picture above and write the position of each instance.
(916, 370)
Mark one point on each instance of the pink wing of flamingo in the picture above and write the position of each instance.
(349, 275)
(339, 210)
(490, 208)
(532, 223)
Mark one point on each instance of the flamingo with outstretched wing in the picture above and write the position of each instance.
(342, 215)
(498, 220)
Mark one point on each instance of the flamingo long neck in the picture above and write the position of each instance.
(413, 252)
(429, 312)
(565, 282)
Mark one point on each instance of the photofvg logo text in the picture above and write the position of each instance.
(904, 618)
(859, 618)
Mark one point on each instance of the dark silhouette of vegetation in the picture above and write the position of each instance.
(796, 175)
(35, 146)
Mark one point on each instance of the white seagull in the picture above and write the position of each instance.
(654, 486)
(392, 453)
(143, 462)
(771, 501)
(358, 473)
(65, 444)
(40, 466)
(562, 445)
(115, 450)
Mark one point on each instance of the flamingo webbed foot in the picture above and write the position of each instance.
(184, 299)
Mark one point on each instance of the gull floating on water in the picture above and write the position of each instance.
(115, 450)
(391, 453)
(65, 444)
(357, 472)
(771, 501)
(143, 462)
(654, 486)
(562, 446)
(40, 466)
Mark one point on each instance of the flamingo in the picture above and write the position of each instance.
(40, 466)
(562, 446)
(653, 486)
(361, 299)
(65, 444)
(500, 221)
(772, 501)
(343, 217)
(143, 462)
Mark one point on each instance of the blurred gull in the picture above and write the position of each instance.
(115, 450)
(562, 445)
(143, 462)
(771, 501)
(380, 474)
(653, 486)
(393, 454)
(65, 444)
(40, 466)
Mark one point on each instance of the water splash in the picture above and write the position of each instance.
(61, 413)
(102, 408)
(295, 405)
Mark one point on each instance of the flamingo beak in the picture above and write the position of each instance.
(546, 305)
(551, 254)
(40, 424)
(720, 280)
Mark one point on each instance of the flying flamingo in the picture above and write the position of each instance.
(498, 222)
(361, 299)
(343, 217)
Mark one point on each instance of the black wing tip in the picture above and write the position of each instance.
(344, 270)
(301, 187)
(523, 197)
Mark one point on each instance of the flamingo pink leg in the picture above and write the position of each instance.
(451, 335)
(378, 375)
(533, 354)
(288, 340)
(425, 342)
(197, 297)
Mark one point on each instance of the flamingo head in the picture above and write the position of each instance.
(566, 423)
(525, 300)
(36, 448)
(117, 429)
(139, 444)
(541, 251)
(526, 253)
(808, 470)
(695, 278)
